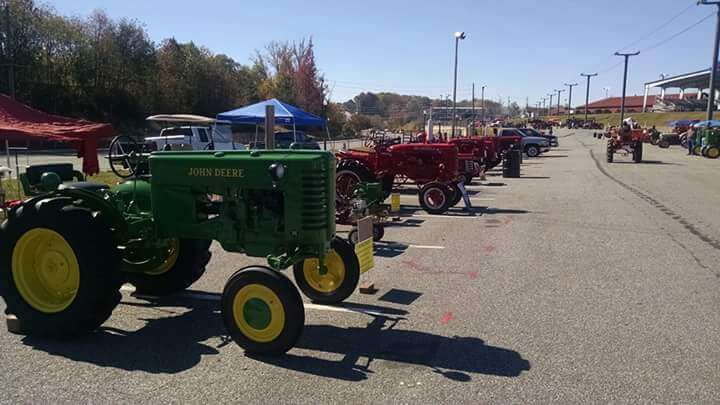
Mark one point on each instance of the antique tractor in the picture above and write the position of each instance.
(627, 140)
(66, 252)
(483, 152)
(432, 167)
(708, 142)
(367, 201)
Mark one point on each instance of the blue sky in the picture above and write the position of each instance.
(519, 49)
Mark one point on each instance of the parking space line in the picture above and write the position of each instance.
(199, 295)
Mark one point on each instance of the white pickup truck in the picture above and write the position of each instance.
(210, 135)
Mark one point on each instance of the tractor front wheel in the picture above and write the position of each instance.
(610, 150)
(262, 311)
(664, 144)
(172, 268)
(638, 152)
(340, 279)
(435, 198)
(697, 150)
(713, 152)
(59, 269)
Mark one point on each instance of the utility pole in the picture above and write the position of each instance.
(473, 104)
(570, 86)
(482, 104)
(587, 91)
(458, 37)
(558, 99)
(713, 66)
(543, 106)
(622, 103)
(550, 103)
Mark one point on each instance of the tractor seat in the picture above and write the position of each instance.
(83, 185)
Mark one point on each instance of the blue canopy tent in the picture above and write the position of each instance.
(285, 114)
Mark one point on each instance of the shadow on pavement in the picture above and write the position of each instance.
(650, 162)
(456, 358)
(170, 344)
(553, 156)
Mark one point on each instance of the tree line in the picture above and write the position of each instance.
(110, 70)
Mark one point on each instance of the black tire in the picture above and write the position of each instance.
(712, 152)
(456, 195)
(357, 173)
(663, 144)
(192, 256)
(638, 152)
(703, 151)
(352, 237)
(342, 285)
(610, 151)
(293, 310)
(87, 241)
(684, 141)
(532, 150)
(378, 232)
(436, 190)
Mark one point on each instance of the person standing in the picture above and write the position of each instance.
(691, 137)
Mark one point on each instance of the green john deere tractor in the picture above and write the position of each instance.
(65, 253)
(708, 144)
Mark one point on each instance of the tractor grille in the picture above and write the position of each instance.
(315, 201)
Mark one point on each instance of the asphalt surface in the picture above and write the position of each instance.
(579, 282)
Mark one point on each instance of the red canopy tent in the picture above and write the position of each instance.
(20, 122)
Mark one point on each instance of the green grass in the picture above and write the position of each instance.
(659, 120)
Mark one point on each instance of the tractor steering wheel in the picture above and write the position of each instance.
(124, 156)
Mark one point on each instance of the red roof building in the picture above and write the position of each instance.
(633, 104)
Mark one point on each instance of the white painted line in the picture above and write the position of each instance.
(216, 297)
(445, 216)
(425, 247)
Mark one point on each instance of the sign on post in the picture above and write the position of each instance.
(364, 245)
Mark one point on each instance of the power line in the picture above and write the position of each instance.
(665, 24)
(670, 38)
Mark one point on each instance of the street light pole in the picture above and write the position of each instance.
(713, 66)
(550, 103)
(622, 103)
(458, 37)
(570, 86)
(558, 100)
(482, 104)
(587, 91)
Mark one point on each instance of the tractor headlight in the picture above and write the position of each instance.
(277, 171)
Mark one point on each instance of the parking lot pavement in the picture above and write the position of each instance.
(580, 281)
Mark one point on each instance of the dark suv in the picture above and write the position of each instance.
(552, 139)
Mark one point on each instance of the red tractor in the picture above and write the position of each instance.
(433, 167)
(485, 152)
(625, 139)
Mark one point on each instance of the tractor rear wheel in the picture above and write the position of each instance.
(171, 269)
(435, 198)
(610, 150)
(664, 144)
(349, 174)
(340, 279)
(456, 194)
(713, 152)
(638, 152)
(59, 269)
(262, 311)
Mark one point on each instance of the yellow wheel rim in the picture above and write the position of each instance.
(45, 270)
(713, 152)
(330, 281)
(171, 253)
(258, 313)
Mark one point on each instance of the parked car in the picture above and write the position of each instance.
(534, 132)
(197, 133)
(290, 140)
(532, 145)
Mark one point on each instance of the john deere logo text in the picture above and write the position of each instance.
(208, 172)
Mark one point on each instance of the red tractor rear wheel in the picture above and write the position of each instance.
(435, 198)
(610, 150)
(349, 174)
